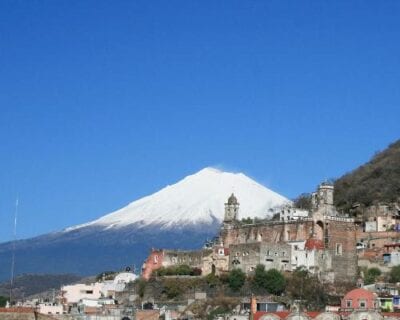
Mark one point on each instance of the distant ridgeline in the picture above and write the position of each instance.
(30, 284)
(377, 181)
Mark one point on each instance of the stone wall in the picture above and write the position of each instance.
(340, 241)
(246, 256)
(272, 232)
(193, 259)
(337, 262)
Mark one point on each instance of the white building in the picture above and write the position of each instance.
(48, 308)
(289, 213)
(94, 295)
(73, 294)
(110, 287)
(308, 254)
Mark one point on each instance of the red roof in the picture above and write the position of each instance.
(17, 310)
(280, 314)
(392, 245)
(314, 244)
(284, 314)
(359, 293)
(313, 314)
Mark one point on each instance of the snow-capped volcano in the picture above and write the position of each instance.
(179, 216)
(198, 198)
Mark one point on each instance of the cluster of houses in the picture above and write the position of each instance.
(87, 299)
(327, 243)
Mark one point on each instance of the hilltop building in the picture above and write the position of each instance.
(323, 242)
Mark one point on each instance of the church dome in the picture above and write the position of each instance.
(232, 200)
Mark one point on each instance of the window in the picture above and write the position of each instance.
(268, 253)
(362, 304)
(349, 303)
(339, 249)
(269, 260)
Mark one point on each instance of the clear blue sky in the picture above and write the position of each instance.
(102, 102)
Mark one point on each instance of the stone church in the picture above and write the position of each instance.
(324, 243)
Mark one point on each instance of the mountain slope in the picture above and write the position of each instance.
(376, 181)
(182, 215)
(198, 198)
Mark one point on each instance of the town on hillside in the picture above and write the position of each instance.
(314, 263)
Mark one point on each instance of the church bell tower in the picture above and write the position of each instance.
(231, 209)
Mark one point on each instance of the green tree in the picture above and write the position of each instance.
(371, 275)
(3, 301)
(212, 280)
(173, 288)
(394, 275)
(107, 275)
(272, 280)
(260, 277)
(141, 285)
(236, 279)
(275, 282)
(307, 288)
(183, 270)
(247, 220)
(303, 201)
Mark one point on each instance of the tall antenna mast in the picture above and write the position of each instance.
(13, 249)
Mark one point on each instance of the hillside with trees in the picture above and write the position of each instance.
(30, 284)
(377, 181)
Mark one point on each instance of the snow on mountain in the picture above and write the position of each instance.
(198, 198)
(180, 216)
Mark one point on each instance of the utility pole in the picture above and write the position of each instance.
(13, 250)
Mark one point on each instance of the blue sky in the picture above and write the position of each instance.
(102, 102)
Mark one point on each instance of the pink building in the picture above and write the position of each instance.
(360, 299)
(153, 262)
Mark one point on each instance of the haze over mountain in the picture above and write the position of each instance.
(182, 215)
